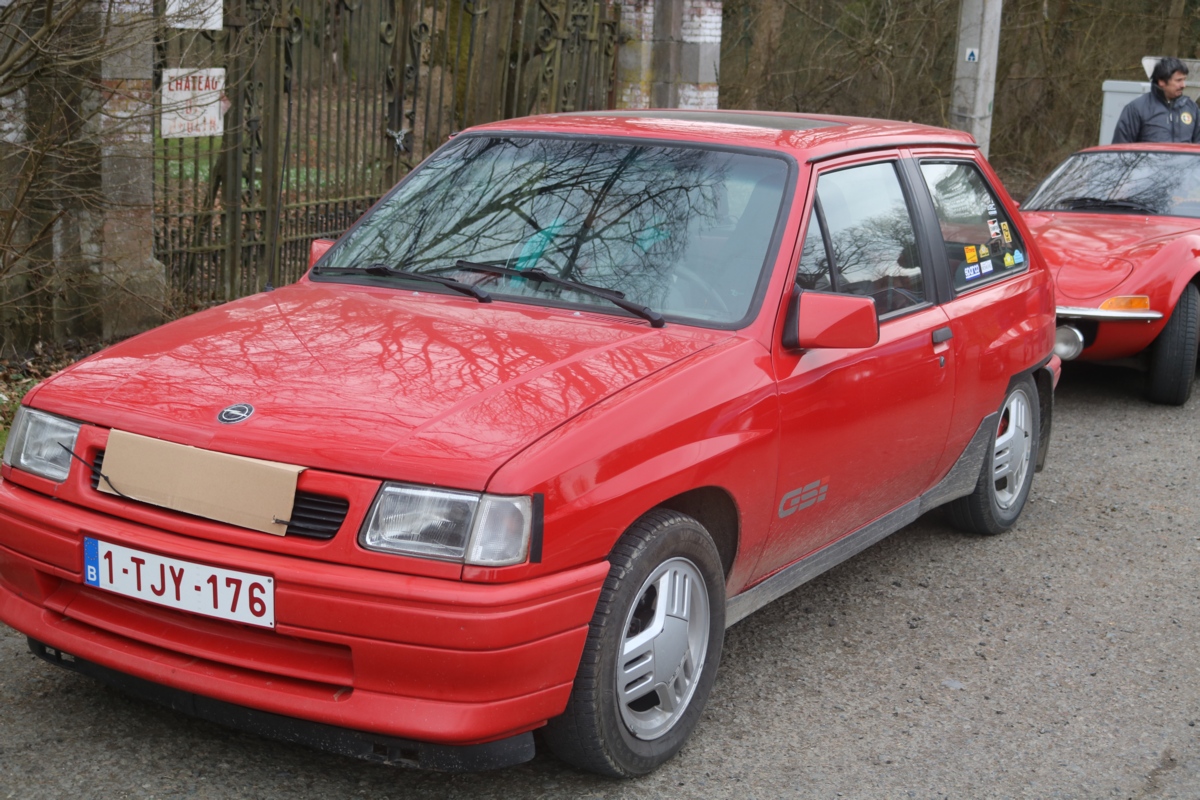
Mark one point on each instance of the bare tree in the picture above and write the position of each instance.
(895, 59)
(65, 107)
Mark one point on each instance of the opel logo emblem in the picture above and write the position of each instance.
(235, 413)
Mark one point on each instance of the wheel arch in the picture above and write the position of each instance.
(1043, 380)
(715, 509)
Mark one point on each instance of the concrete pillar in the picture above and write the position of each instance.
(133, 286)
(670, 54)
(975, 69)
(78, 138)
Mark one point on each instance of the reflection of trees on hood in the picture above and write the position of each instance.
(875, 248)
(610, 214)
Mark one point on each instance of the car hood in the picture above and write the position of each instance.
(1090, 254)
(383, 383)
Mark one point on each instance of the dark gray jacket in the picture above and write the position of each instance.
(1150, 118)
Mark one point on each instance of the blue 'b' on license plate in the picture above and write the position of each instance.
(91, 562)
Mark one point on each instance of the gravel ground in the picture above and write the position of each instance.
(1056, 661)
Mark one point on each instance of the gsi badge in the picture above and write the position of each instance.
(235, 413)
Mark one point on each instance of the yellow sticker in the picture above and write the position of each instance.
(972, 256)
(1186, 118)
(983, 251)
(1007, 235)
(1008, 260)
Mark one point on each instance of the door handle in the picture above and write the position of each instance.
(942, 335)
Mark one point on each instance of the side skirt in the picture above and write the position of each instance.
(959, 482)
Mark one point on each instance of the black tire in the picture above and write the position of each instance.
(597, 730)
(1003, 486)
(1173, 354)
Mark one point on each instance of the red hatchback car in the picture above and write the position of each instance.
(1120, 229)
(582, 391)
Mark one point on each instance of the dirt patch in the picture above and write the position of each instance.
(20, 374)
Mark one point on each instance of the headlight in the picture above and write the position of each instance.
(482, 529)
(36, 444)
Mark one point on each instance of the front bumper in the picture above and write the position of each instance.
(1110, 335)
(355, 744)
(408, 657)
(1081, 312)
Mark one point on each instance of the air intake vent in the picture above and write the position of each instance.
(315, 516)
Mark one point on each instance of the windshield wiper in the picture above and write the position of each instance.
(384, 270)
(611, 295)
(1073, 203)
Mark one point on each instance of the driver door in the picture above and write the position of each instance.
(862, 431)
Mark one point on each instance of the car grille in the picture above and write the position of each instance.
(316, 516)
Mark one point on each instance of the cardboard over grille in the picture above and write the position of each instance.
(246, 492)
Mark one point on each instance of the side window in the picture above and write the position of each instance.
(814, 263)
(871, 235)
(981, 242)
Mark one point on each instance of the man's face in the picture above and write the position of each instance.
(1173, 87)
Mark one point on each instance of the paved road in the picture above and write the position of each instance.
(1058, 660)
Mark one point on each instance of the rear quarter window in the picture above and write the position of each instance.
(982, 244)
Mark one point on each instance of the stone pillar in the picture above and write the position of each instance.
(132, 291)
(76, 142)
(670, 54)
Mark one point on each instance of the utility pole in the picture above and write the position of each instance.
(975, 69)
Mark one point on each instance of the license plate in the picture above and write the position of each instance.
(186, 585)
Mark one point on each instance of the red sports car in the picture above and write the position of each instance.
(1119, 227)
(579, 393)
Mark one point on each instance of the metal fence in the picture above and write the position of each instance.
(330, 102)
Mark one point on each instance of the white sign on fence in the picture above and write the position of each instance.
(197, 14)
(192, 102)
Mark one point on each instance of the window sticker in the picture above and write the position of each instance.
(1009, 260)
(972, 255)
(994, 228)
(1018, 256)
(971, 272)
(983, 251)
(985, 266)
(991, 209)
(1005, 231)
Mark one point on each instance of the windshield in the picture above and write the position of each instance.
(682, 230)
(1126, 181)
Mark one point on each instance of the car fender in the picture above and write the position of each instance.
(1182, 263)
(710, 421)
(1163, 270)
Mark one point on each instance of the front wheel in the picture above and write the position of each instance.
(1173, 354)
(651, 653)
(1007, 474)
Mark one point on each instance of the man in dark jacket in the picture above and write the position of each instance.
(1164, 114)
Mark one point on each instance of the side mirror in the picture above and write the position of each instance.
(824, 320)
(317, 249)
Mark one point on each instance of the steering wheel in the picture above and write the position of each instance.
(885, 296)
(705, 288)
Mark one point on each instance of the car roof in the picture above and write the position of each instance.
(1161, 147)
(810, 136)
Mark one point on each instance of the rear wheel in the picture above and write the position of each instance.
(651, 653)
(1007, 473)
(1173, 354)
